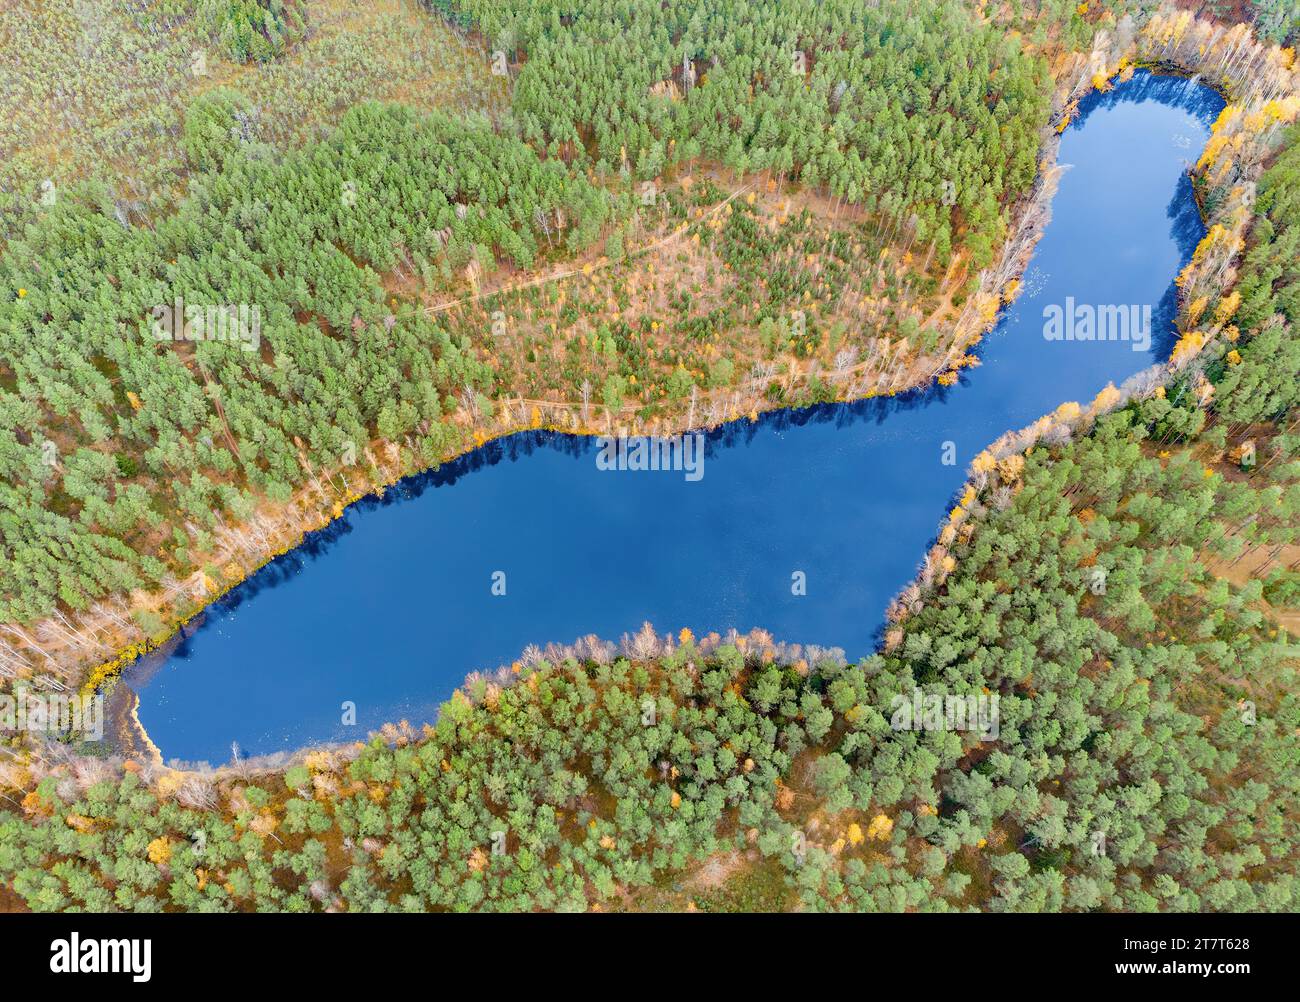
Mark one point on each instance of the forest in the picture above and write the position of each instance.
(1150, 728)
(129, 465)
(1157, 720)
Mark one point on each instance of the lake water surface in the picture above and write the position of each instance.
(392, 605)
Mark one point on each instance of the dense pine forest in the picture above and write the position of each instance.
(111, 443)
(683, 213)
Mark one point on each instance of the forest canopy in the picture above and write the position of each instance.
(1148, 750)
(123, 456)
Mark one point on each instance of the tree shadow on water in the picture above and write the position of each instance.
(1187, 230)
(1184, 93)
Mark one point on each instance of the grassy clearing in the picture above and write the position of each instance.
(103, 94)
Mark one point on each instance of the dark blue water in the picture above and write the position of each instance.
(392, 605)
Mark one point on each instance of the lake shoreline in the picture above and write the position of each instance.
(308, 518)
(1011, 434)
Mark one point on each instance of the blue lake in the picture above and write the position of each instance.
(391, 606)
